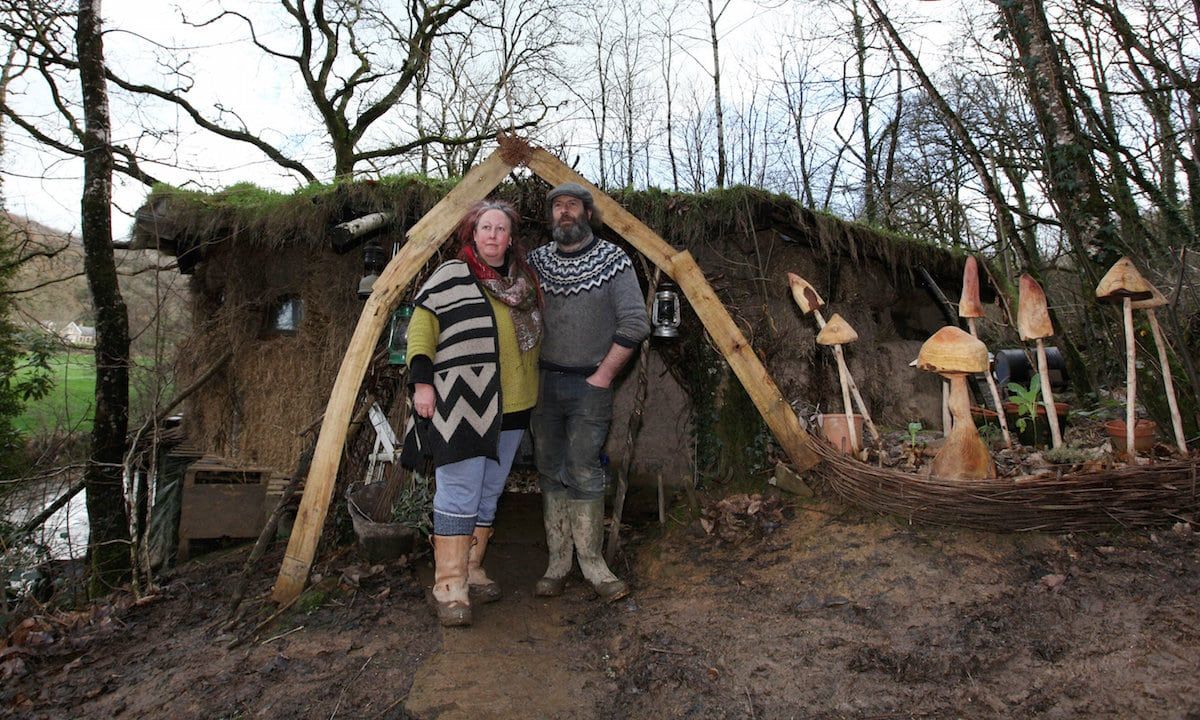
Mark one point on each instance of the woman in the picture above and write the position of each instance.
(473, 346)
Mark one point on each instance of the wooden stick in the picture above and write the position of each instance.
(947, 417)
(1130, 376)
(1161, 343)
(662, 502)
(1048, 395)
(424, 239)
(991, 381)
(858, 401)
(847, 405)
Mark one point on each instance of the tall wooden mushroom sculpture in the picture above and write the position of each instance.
(811, 303)
(836, 333)
(1155, 301)
(1124, 284)
(954, 354)
(970, 308)
(1033, 323)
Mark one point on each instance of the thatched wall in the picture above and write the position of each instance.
(246, 248)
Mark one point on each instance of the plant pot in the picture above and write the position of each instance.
(1036, 434)
(1144, 432)
(381, 541)
(833, 427)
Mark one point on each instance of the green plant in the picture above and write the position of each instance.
(1026, 400)
(913, 429)
(414, 506)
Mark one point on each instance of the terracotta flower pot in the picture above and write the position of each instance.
(833, 427)
(1144, 432)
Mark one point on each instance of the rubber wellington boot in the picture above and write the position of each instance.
(587, 527)
(480, 587)
(451, 600)
(556, 516)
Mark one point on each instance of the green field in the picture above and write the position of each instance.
(69, 405)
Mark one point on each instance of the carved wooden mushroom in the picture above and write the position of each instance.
(1124, 284)
(805, 294)
(1033, 323)
(1157, 300)
(836, 333)
(954, 354)
(970, 307)
(811, 303)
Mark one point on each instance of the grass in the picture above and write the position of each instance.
(70, 404)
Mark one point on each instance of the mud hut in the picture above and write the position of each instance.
(275, 298)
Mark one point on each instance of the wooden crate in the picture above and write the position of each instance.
(221, 500)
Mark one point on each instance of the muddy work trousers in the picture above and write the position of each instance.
(569, 426)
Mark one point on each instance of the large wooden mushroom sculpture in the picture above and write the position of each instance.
(836, 333)
(954, 355)
(1123, 284)
(1033, 323)
(970, 307)
(811, 303)
(1155, 301)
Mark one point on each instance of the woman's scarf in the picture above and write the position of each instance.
(516, 290)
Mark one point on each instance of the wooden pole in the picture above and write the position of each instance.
(1048, 395)
(1161, 343)
(682, 268)
(858, 401)
(1130, 376)
(847, 405)
(991, 381)
(424, 239)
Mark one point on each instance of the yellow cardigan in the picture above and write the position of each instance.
(518, 370)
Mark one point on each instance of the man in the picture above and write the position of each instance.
(595, 320)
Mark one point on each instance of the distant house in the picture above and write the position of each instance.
(79, 335)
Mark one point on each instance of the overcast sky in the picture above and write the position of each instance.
(266, 95)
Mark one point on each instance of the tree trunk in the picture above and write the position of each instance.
(718, 108)
(108, 545)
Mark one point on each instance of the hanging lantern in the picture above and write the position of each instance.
(373, 262)
(665, 314)
(398, 334)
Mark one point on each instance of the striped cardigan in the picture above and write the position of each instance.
(467, 416)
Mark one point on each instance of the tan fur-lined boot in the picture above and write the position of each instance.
(451, 599)
(481, 588)
(587, 527)
(556, 516)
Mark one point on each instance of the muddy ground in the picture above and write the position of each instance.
(787, 608)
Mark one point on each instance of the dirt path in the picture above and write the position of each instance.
(810, 610)
(519, 658)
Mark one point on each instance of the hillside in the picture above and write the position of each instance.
(51, 286)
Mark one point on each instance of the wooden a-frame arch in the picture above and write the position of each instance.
(424, 239)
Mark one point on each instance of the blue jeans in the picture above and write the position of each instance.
(468, 490)
(569, 426)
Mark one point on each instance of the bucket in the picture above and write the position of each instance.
(1143, 434)
(833, 427)
(382, 542)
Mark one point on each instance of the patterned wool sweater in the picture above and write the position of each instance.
(592, 301)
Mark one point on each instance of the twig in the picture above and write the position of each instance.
(348, 684)
(749, 703)
(298, 628)
(265, 623)
(665, 651)
(396, 702)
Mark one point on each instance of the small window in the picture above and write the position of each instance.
(286, 314)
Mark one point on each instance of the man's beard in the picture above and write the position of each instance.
(572, 234)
